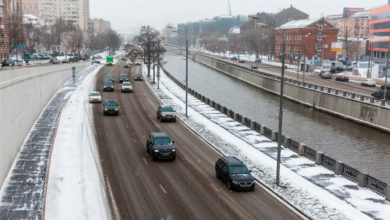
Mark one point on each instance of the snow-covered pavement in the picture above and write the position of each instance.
(313, 189)
(76, 185)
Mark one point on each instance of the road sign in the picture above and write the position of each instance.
(337, 46)
(346, 58)
(331, 59)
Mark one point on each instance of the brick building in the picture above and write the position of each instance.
(4, 39)
(306, 37)
(31, 7)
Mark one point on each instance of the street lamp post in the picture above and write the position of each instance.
(185, 33)
(280, 118)
(255, 17)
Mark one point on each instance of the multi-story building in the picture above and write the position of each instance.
(31, 7)
(98, 26)
(312, 38)
(356, 26)
(75, 11)
(4, 40)
(380, 32)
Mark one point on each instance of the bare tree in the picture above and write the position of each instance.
(147, 40)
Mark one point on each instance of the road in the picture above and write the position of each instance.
(186, 188)
(313, 78)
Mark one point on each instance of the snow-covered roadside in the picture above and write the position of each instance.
(313, 189)
(75, 185)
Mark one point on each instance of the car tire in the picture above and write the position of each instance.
(147, 149)
(229, 185)
(252, 188)
(154, 158)
(174, 120)
(173, 158)
(217, 174)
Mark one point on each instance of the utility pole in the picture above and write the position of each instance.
(369, 61)
(158, 64)
(186, 33)
(280, 118)
(357, 44)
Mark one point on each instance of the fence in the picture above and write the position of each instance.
(338, 167)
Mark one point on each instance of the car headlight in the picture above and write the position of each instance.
(156, 151)
(116, 109)
(235, 182)
(104, 86)
(173, 150)
(105, 109)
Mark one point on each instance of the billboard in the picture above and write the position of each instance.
(337, 46)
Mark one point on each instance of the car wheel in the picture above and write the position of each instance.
(154, 158)
(252, 188)
(217, 174)
(229, 185)
(158, 116)
(173, 158)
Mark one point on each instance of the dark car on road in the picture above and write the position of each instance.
(325, 74)
(254, 66)
(138, 77)
(160, 146)
(380, 93)
(341, 77)
(108, 86)
(241, 61)
(166, 113)
(123, 78)
(110, 107)
(234, 58)
(233, 172)
(110, 78)
(9, 62)
(126, 65)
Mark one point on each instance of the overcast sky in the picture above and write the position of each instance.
(128, 14)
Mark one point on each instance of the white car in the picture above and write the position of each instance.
(368, 82)
(126, 87)
(95, 97)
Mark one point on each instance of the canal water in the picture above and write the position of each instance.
(358, 146)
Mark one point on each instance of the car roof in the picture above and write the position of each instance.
(110, 100)
(158, 134)
(232, 161)
(95, 92)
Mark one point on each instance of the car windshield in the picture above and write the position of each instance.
(123, 76)
(238, 170)
(167, 109)
(162, 140)
(111, 104)
(95, 94)
(126, 84)
(108, 83)
(138, 75)
(109, 77)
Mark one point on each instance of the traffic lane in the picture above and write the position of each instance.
(351, 86)
(164, 196)
(201, 156)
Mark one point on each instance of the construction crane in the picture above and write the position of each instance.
(230, 10)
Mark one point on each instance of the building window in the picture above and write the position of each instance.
(320, 37)
(319, 47)
(320, 27)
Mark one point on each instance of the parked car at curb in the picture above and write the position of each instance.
(342, 78)
(126, 87)
(95, 97)
(233, 172)
(138, 77)
(108, 86)
(166, 113)
(368, 82)
(110, 107)
(160, 146)
(123, 78)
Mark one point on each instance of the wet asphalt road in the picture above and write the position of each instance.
(186, 188)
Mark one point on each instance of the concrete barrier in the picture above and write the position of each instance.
(319, 157)
(338, 167)
(362, 179)
(23, 94)
(388, 192)
(301, 149)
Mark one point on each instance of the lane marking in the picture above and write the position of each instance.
(134, 140)
(145, 161)
(215, 188)
(162, 188)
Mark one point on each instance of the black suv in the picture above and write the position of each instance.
(234, 174)
(160, 146)
(110, 107)
(380, 93)
(108, 86)
(123, 78)
(110, 78)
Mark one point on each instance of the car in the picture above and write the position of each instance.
(65, 60)
(9, 62)
(160, 146)
(95, 97)
(55, 60)
(342, 77)
(110, 78)
(126, 87)
(380, 93)
(224, 57)
(241, 61)
(126, 65)
(254, 66)
(368, 82)
(233, 172)
(108, 86)
(123, 58)
(165, 113)
(233, 58)
(123, 78)
(73, 59)
(325, 74)
(387, 87)
(138, 63)
(95, 61)
(336, 67)
(110, 107)
(138, 77)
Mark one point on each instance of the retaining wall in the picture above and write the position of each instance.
(358, 108)
(340, 168)
(23, 94)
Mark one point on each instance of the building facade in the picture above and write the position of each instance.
(4, 39)
(75, 11)
(30, 7)
(380, 31)
(355, 26)
(98, 26)
(310, 38)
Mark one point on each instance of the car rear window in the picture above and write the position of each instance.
(95, 94)
(238, 170)
(162, 140)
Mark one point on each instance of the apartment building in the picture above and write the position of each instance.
(31, 7)
(98, 26)
(4, 40)
(75, 11)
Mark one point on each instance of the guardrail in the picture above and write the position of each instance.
(343, 93)
(338, 167)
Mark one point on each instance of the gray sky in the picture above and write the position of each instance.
(128, 14)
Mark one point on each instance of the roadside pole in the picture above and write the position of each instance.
(387, 70)
(74, 74)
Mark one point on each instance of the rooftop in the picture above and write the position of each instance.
(362, 14)
(297, 24)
